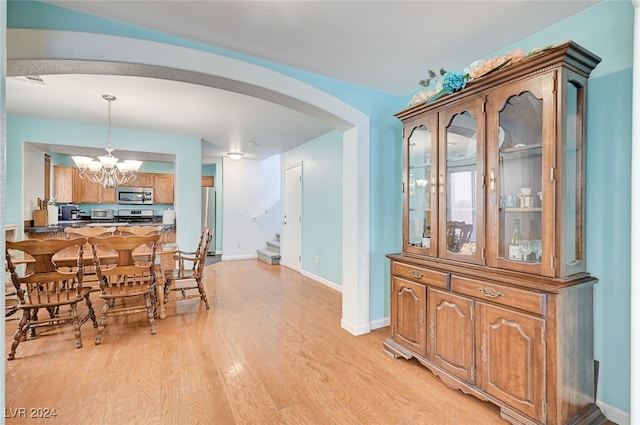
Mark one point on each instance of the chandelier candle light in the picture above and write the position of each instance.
(107, 171)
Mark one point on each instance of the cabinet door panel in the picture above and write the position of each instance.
(108, 196)
(420, 182)
(141, 180)
(163, 189)
(460, 177)
(451, 333)
(89, 193)
(409, 306)
(63, 183)
(520, 148)
(510, 349)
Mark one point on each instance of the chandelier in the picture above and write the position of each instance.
(107, 171)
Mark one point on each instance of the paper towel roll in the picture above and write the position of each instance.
(52, 215)
(168, 217)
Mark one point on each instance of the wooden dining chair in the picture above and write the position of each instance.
(89, 231)
(42, 284)
(99, 231)
(139, 230)
(183, 281)
(131, 279)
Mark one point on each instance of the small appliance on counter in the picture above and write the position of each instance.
(101, 214)
(144, 215)
(68, 212)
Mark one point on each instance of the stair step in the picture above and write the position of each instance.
(269, 256)
(273, 245)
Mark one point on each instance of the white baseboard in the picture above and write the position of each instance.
(239, 257)
(322, 280)
(614, 414)
(380, 323)
(353, 330)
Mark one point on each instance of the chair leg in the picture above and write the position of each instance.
(20, 334)
(103, 321)
(150, 312)
(34, 318)
(76, 325)
(92, 313)
(167, 285)
(203, 293)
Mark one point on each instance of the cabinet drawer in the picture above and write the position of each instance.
(418, 274)
(522, 299)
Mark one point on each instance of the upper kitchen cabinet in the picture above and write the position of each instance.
(208, 181)
(94, 193)
(68, 186)
(162, 184)
(163, 188)
(64, 183)
(141, 180)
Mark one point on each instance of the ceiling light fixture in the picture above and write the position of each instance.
(235, 155)
(107, 171)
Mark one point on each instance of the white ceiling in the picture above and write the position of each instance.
(383, 45)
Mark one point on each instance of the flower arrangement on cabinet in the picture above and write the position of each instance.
(447, 82)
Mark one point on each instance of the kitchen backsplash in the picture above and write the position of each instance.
(158, 209)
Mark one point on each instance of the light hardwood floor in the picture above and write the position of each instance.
(270, 351)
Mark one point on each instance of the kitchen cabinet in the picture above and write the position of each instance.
(69, 187)
(163, 188)
(493, 254)
(141, 180)
(94, 193)
(208, 181)
(64, 183)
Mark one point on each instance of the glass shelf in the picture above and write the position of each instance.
(516, 209)
(521, 151)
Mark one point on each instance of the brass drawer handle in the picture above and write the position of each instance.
(417, 275)
(490, 292)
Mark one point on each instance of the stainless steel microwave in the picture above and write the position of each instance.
(135, 195)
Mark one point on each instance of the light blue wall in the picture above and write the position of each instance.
(187, 151)
(321, 160)
(605, 29)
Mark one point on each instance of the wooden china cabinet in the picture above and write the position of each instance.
(491, 291)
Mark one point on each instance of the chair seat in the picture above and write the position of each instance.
(124, 292)
(182, 274)
(52, 304)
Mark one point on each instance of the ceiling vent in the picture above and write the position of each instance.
(35, 79)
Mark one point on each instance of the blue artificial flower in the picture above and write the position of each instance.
(454, 81)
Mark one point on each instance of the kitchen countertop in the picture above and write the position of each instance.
(91, 223)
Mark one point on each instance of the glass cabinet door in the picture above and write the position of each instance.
(420, 190)
(460, 182)
(519, 181)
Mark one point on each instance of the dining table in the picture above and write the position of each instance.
(68, 257)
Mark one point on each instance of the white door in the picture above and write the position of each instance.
(291, 238)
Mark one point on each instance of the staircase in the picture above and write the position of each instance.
(271, 255)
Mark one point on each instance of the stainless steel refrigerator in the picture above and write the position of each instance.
(209, 213)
